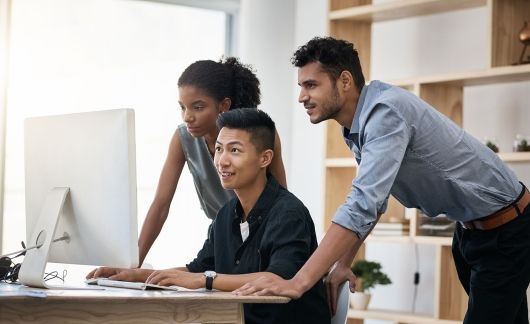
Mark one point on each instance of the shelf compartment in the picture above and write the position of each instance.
(352, 19)
(515, 156)
(396, 316)
(445, 92)
(336, 148)
(450, 297)
(446, 98)
(494, 75)
(340, 162)
(389, 238)
(338, 184)
(434, 240)
(402, 9)
(507, 18)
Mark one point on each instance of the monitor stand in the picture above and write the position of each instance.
(34, 264)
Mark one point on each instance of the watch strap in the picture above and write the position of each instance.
(209, 282)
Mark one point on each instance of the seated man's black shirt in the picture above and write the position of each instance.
(282, 237)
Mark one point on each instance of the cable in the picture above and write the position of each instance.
(65, 237)
(9, 270)
(55, 275)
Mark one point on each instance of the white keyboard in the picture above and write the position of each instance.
(121, 284)
(139, 285)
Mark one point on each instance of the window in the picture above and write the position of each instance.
(81, 55)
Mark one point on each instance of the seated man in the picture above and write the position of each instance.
(264, 231)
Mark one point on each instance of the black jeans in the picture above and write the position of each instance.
(494, 269)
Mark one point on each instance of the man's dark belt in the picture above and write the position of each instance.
(501, 217)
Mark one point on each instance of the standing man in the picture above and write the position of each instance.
(406, 148)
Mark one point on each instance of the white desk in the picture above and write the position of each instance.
(127, 306)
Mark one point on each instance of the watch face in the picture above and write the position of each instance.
(210, 273)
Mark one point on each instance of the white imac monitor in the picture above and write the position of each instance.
(80, 181)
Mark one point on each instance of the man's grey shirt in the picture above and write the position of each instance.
(406, 148)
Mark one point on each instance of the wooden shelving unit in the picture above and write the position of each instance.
(515, 157)
(471, 78)
(351, 162)
(401, 9)
(352, 20)
(433, 240)
(399, 317)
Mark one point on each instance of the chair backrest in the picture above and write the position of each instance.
(343, 301)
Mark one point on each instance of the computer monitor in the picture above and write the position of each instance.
(80, 184)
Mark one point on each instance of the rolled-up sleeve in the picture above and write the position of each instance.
(383, 142)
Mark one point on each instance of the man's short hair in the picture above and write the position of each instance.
(335, 55)
(256, 122)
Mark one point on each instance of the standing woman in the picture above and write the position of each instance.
(206, 89)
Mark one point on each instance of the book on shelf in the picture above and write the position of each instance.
(391, 229)
(389, 233)
(392, 226)
(435, 226)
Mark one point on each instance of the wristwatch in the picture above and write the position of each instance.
(210, 276)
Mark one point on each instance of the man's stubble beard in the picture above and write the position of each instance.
(330, 109)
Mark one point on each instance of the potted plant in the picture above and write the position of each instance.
(492, 146)
(368, 275)
(520, 144)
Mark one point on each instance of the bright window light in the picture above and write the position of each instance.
(71, 56)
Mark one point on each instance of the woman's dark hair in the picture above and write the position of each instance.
(335, 55)
(255, 121)
(227, 78)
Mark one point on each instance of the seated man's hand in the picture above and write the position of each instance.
(173, 277)
(270, 285)
(336, 276)
(120, 274)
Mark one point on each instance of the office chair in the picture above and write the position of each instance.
(343, 302)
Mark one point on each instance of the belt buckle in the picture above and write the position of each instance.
(468, 225)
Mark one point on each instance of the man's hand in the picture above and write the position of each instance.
(271, 285)
(139, 275)
(173, 277)
(338, 274)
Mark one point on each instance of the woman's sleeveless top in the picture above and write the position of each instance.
(211, 193)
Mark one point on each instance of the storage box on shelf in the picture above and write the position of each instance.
(352, 20)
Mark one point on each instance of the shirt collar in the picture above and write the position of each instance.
(263, 204)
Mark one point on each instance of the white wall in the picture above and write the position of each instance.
(307, 169)
(131, 58)
(266, 41)
(4, 45)
(270, 32)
